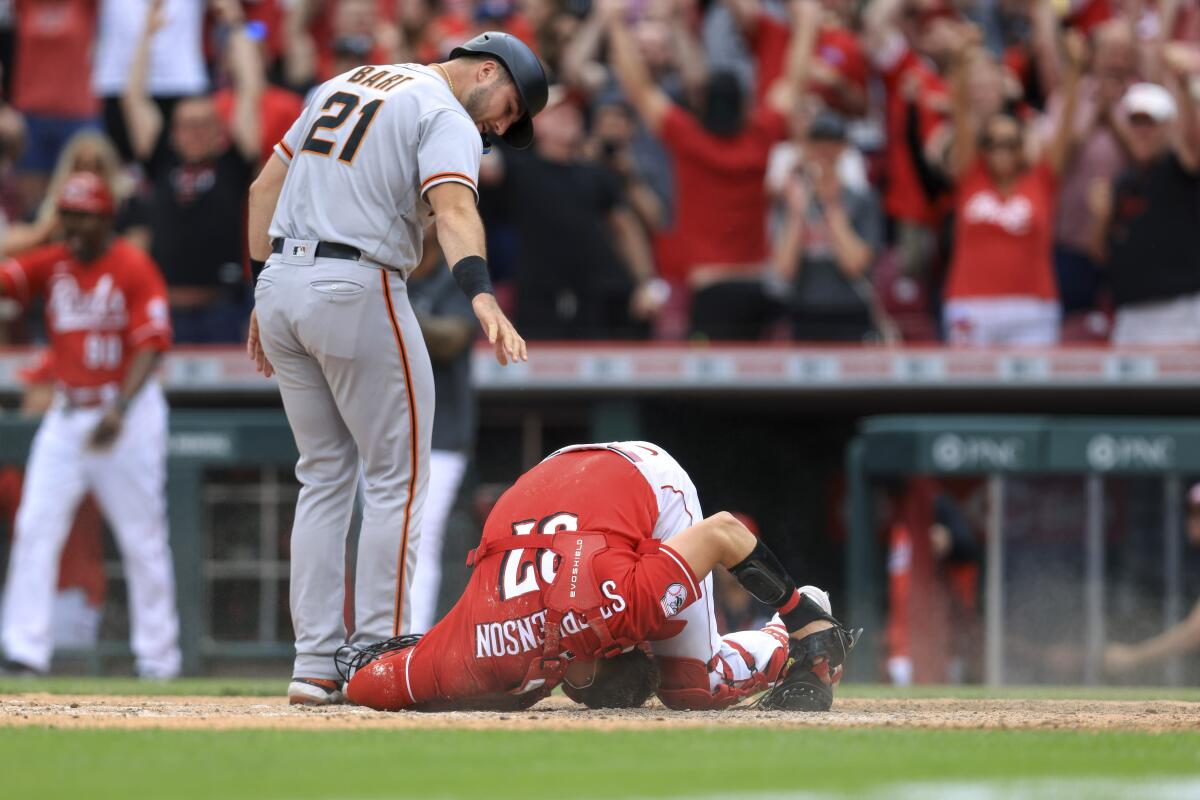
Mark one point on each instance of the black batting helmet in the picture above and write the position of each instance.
(526, 72)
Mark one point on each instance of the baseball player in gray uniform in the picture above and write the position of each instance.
(339, 214)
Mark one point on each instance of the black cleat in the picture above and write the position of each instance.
(813, 669)
(800, 690)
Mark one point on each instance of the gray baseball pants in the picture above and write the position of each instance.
(357, 387)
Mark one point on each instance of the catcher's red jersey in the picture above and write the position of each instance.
(488, 640)
(97, 314)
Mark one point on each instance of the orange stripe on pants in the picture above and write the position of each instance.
(401, 558)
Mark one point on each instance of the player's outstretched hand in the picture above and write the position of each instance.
(107, 430)
(254, 348)
(1119, 658)
(499, 331)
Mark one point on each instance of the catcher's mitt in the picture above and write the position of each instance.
(351, 658)
(813, 668)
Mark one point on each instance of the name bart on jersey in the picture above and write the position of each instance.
(379, 79)
(512, 637)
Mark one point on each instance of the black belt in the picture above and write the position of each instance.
(326, 250)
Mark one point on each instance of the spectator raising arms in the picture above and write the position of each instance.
(719, 161)
(200, 179)
(176, 65)
(321, 34)
(1000, 290)
(1098, 154)
(839, 69)
(903, 42)
(1146, 222)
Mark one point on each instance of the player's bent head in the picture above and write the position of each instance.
(624, 681)
(523, 76)
(493, 100)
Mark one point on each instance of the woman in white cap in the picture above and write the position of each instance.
(1146, 220)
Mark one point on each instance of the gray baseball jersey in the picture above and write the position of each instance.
(353, 371)
(373, 142)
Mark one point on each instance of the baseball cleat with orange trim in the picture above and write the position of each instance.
(315, 692)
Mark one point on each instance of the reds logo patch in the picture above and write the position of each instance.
(673, 599)
(71, 308)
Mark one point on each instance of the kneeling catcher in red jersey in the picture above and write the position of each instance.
(591, 559)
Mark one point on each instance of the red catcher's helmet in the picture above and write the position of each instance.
(85, 192)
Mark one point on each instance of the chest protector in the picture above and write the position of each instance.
(575, 591)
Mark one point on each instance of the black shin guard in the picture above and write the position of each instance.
(802, 613)
(761, 574)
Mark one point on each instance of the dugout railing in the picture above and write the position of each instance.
(1002, 449)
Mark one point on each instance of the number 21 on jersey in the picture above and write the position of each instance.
(345, 102)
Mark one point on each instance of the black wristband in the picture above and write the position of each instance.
(472, 276)
(256, 268)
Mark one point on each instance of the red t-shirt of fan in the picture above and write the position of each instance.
(1002, 245)
(53, 71)
(720, 201)
(904, 198)
(97, 314)
(837, 47)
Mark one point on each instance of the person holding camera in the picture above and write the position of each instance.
(831, 233)
(199, 173)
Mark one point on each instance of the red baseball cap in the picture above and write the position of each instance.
(85, 192)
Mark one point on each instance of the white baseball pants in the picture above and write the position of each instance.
(128, 481)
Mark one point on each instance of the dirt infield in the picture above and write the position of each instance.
(557, 713)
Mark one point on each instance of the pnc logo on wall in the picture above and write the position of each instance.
(953, 452)
(1106, 452)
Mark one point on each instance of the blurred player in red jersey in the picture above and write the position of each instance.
(593, 552)
(105, 432)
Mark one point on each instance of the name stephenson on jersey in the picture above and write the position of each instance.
(513, 637)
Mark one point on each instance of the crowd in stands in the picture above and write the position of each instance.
(978, 172)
